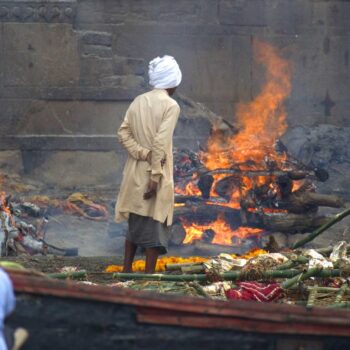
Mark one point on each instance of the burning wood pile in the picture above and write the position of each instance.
(23, 230)
(245, 183)
(24, 222)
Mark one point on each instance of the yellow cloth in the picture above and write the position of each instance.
(148, 126)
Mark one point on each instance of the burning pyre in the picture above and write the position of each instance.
(245, 182)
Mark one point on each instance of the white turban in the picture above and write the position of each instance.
(164, 73)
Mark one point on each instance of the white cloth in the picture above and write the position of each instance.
(164, 73)
(7, 303)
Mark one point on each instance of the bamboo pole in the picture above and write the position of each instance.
(321, 229)
(341, 305)
(311, 299)
(292, 262)
(343, 289)
(72, 275)
(193, 269)
(300, 277)
(199, 289)
(314, 272)
(227, 276)
(328, 250)
(178, 267)
(323, 289)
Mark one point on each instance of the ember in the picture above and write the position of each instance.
(223, 233)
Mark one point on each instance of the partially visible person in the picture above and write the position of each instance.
(10, 339)
(146, 197)
(7, 304)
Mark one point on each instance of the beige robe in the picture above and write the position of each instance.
(148, 126)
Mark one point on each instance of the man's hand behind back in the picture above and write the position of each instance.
(151, 190)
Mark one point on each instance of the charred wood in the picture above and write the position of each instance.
(204, 184)
(299, 202)
(177, 234)
(275, 222)
(290, 222)
(205, 213)
(225, 187)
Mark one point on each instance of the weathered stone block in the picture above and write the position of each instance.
(11, 162)
(94, 69)
(331, 13)
(119, 11)
(70, 118)
(97, 50)
(74, 169)
(242, 13)
(131, 82)
(40, 55)
(288, 17)
(110, 93)
(11, 112)
(128, 65)
(96, 38)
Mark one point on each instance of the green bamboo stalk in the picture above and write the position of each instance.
(291, 263)
(341, 293)
(321, 229)
(311, 299)
(341, 305)
(227, 276)
(65, 275)
(199, 289)
(328, 250)
(323, 289)
(301, 277)
(192, 269)
(178, 267)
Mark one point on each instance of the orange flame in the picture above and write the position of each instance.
(261, 122)
(223, 232)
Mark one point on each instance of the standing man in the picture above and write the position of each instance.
(146, 197)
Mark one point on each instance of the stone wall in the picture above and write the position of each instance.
(70, 68)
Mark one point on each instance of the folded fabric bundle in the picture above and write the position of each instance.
(255, 291)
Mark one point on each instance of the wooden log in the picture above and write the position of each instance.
(299, 202)
(177, 234)
(274, 222)
(226, 186)
(204, 184)
(290, 223)
(205, 213)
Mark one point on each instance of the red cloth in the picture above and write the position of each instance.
(255, 291)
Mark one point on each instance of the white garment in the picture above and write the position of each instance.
(164, 73)
(7, 303)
